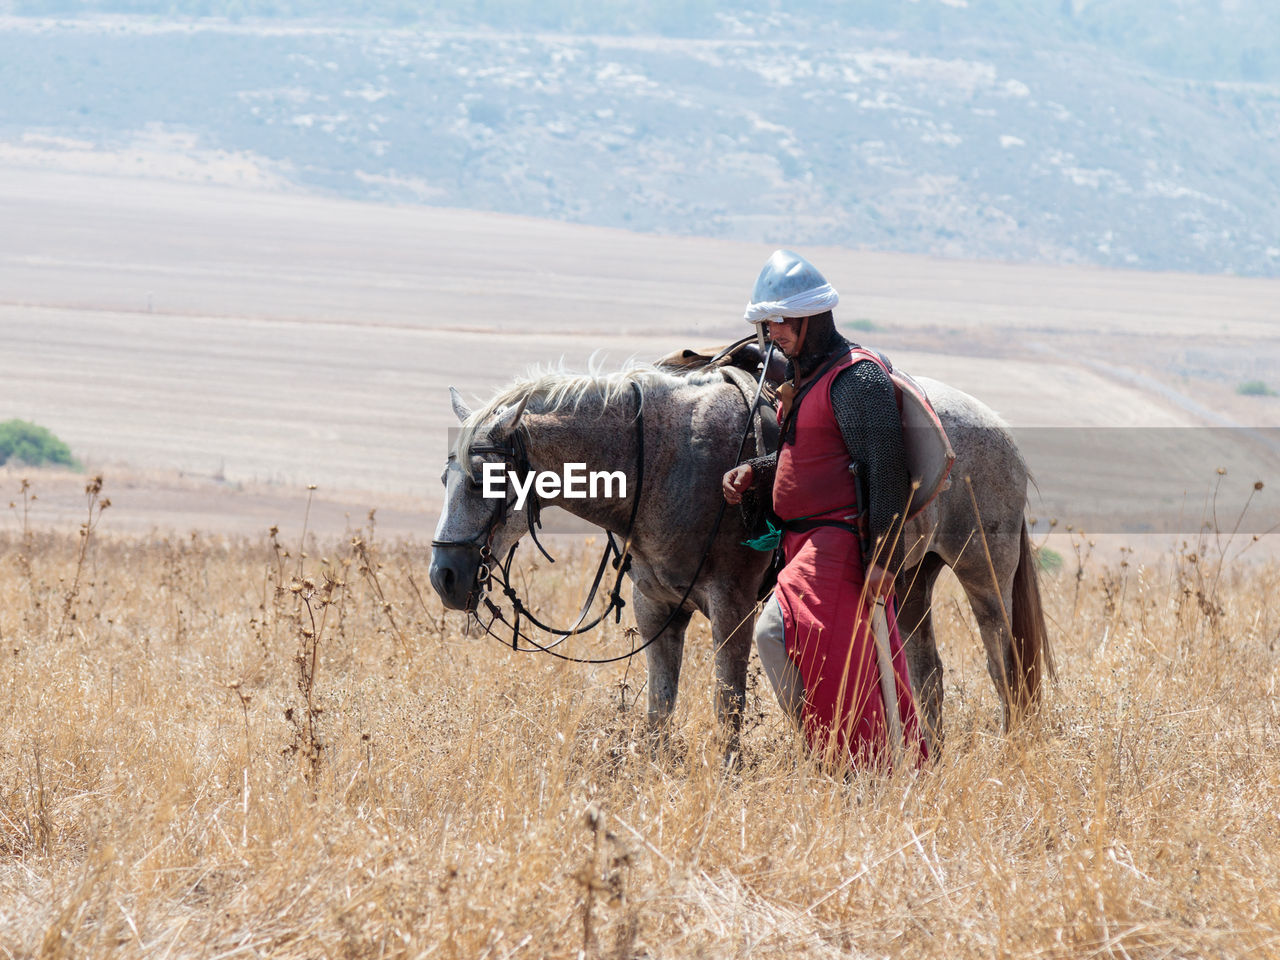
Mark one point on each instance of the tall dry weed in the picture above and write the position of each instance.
(471, 802)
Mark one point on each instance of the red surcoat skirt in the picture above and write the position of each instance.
(820, 591)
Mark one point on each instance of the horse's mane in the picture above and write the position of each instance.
(552, 388)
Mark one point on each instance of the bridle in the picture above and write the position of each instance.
(515, 453)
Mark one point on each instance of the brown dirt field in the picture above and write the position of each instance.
(272, 340)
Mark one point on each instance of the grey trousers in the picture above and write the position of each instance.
(771, 645)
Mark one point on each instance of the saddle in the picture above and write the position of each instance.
(744, 355)
(739, 363)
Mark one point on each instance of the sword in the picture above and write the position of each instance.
(880, 632)
(888, 683)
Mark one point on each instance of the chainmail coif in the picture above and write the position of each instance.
(821, 340)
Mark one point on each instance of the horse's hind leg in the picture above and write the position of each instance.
(986, 569)
(915, 620)
(992, 611)
(663, 655)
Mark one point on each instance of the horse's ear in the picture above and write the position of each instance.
(508, 420)
(459, 405)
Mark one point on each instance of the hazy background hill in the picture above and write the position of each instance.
(1138, 133)
(1210, 39)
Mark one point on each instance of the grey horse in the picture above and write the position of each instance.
(692, 424)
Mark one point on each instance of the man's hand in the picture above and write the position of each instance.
(879, 582)
(736, 482)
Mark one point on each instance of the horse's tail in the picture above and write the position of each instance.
(1032, 653)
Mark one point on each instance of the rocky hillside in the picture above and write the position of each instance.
(931, 131)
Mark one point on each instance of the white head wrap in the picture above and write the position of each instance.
(819, 299)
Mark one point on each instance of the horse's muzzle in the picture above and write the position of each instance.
(454, 571)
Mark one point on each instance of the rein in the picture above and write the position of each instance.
(621, 563)
(621, 556)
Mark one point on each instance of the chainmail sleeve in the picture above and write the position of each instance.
(762, 472)
(757, 500)
(866, 410)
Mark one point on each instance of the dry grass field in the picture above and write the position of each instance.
(216, 743)
(224, 747)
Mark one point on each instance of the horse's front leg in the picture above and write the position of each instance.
(664, 655)
(732, 621)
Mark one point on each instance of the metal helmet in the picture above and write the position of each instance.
(789, 286)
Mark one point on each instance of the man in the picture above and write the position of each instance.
(840, 486)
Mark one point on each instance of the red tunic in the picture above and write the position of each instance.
(828, 621)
